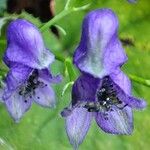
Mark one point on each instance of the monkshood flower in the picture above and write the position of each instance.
(29, 78)
(103, 91)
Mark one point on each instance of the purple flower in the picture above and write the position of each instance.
(132, 1)
(29, 78)
(103, 91)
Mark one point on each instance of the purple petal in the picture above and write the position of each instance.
(77, 126)
(100, 52)
(17, 105)
(123, 86)
(136, 103)
(84, 89)
(17, 75)
(118, 121)
(45, 96)
(47, 76)
(26, 46)
(122, 81)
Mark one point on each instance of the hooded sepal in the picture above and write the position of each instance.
(25, 45)
(99, 52)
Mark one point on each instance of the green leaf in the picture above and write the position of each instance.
(70, 69)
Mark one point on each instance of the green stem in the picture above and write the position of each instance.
(59, 56)
(67, 4)
(56, 18)
(140, 80)
(62, 14)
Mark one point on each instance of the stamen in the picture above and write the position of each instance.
(102, 90)
(31, 84)
(106, 98)
(20, 92)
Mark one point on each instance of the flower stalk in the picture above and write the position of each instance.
(67, 10)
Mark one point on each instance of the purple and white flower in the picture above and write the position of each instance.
(29, 78)
(103, 91)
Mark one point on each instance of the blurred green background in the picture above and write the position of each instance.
(43, 129)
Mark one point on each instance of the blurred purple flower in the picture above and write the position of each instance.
(103, 91)
(132, 1)
(29, 78)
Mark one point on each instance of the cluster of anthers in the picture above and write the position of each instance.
(28, 90)
(106, 99)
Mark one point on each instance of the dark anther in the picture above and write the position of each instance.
(119, 102)
(122, 107)
(106, 78)
(106, 116)
(38, 97)
(90, 109)
(111, 110)
(20, 92)
(111, 85)
(25, 101)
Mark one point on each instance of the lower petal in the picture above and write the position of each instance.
(45, 96)
(17, 106)
(136, 103)
(77, 126)
(118, 121)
